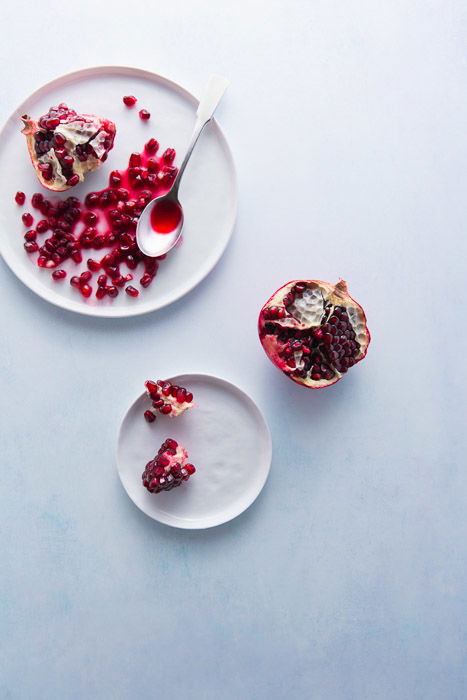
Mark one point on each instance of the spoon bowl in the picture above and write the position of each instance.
(159, 213)
(160, 225)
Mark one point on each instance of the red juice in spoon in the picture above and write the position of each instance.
(165, 216)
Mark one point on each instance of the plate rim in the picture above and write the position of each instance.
(122, 311)
(193, 525)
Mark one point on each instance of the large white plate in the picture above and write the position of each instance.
(208, 192)
(227, 439)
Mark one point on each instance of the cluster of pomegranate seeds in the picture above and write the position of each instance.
(130, 100)
(105, 220)
(167, 398)
(64, 145)
(20, 198)
(168, 469)
(314, 332)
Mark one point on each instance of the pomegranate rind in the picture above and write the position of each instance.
(31, 127)
(334, 294)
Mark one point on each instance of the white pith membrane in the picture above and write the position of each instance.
(167, 394)
(314, 331)
(93, 136)
(168, 469)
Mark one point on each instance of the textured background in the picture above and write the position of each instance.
(346, 579)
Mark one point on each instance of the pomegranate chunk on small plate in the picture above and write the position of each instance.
(226, 437)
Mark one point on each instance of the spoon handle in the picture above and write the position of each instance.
(215, 89)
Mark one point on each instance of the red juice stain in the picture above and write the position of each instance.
(165, 216)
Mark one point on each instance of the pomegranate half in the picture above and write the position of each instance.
(64, 146)
(313, 331)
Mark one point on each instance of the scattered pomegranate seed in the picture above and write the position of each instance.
(93, 265)
(86, 289)
(20, 198)
(100, 292)
(27, 219)
(37, 200)
(42, 226)
(152, 146)
(168, 155)
(130, 100)
(31, 247)
(59, 274)
(150, 417)
(111, 291)
(131, 291)
(144, 114)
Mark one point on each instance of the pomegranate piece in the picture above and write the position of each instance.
(130, 100)
(64, 145)
(168, 469)
(144, 114)
(167, 398)
(313, 331)
(20, 198)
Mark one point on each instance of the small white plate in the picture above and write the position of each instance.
(227, 440)
(208, 192)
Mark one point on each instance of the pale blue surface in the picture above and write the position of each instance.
(347, 579)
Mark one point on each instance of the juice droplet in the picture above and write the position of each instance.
(165, 216)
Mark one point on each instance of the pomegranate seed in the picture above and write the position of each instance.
(31, 247)
(100, 292)
(189, 397)
(115, 179)
(112, 291)
(146, 280)
(67, 161)
(93, 265)
(92, 199)
(150, 417)
(59, 139)
(42, 226)
(37, 200)
(30, 235)
(86, 290)
(73, 180)
(144, 114)
(168, 155)
(85, 277)
(152, 165)
(135, 160)
(20, 198)
(130, 100)
(166, 409)
(131, 291)
(27, 219)
(102, 280)
(59, 274)
(152, 146)
(75, 282)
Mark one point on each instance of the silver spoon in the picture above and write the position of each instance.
(166, 211)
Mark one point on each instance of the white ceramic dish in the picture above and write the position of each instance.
(208, 192)
(227, 439)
